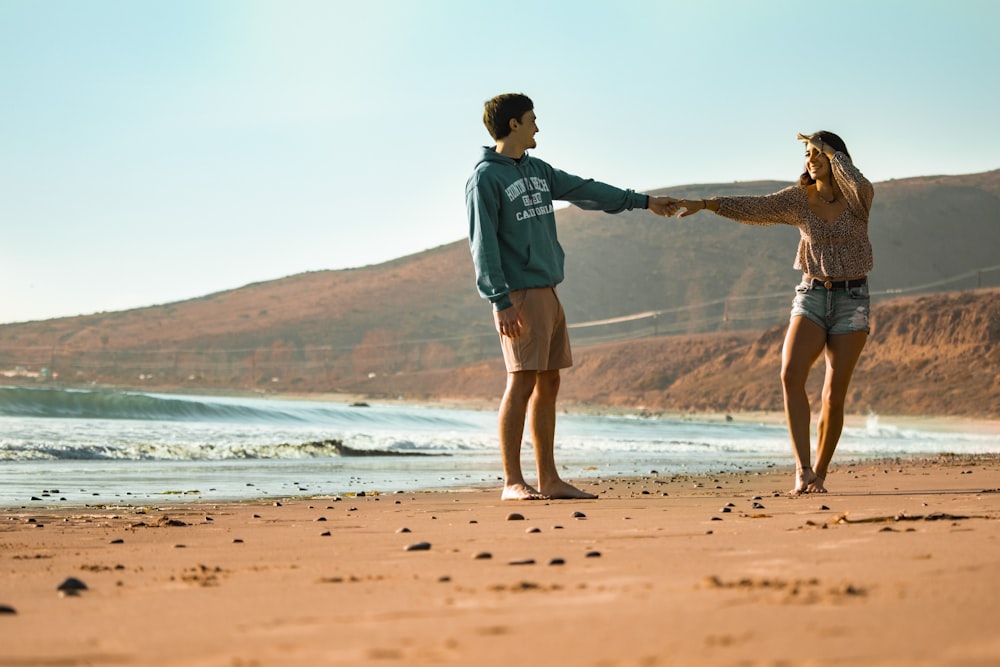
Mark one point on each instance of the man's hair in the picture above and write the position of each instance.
(501, 109)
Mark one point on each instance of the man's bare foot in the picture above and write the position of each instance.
(816, 485)
(563, 491)
(521, 492)
(804, 479)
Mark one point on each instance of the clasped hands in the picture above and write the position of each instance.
(668, 206)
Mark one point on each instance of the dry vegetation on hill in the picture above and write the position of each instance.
(928, 355)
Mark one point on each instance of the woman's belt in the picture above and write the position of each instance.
(839, 284)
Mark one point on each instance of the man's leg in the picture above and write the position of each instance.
(513, 409)
(543, 432)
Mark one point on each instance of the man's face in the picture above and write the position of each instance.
(523, 131)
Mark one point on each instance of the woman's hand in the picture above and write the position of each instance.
(815, 142)
(691, 206)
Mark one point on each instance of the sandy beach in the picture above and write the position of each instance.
(898, 565)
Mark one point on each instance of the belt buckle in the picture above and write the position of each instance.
(828, 284)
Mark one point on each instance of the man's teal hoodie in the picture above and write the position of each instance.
(512, 225)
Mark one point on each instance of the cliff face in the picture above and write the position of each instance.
(930, 355)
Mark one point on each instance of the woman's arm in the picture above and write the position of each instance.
(857, 189)
(782, 207)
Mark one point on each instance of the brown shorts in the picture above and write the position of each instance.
(544, 341)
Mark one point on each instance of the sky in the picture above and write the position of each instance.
(155, 151)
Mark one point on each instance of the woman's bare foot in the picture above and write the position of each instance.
(560, 490)
(804, 480)
(521, 492)
(816, 485)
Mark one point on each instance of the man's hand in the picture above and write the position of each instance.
(665, 206)
(508, 322)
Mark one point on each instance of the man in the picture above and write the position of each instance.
(519, 262)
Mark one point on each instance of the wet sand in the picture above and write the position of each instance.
(898, 565)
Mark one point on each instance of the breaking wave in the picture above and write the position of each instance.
(83, 404)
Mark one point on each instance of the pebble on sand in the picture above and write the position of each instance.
(482, 555)
(579, 515)
(514, 516)
(7, 609)
(418, 546)
(71, 586)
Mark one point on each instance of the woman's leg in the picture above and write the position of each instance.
(804, 342)
(842, 354)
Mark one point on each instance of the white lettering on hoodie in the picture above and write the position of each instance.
(530, 191)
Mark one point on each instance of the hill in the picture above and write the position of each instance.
(331, 330)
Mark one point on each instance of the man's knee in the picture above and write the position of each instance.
(547, 383)
(520, 385)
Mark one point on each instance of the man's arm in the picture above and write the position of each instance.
(589, 194)
(484, 220)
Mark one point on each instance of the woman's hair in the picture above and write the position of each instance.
(501, 109)
(827, 138)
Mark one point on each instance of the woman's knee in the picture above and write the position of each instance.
(793, 378)
(834, 399)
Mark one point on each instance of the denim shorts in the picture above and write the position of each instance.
(839, 310)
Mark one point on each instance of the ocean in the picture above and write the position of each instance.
(101, 447)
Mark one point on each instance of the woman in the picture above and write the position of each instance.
(830, 312)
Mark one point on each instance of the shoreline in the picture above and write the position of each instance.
(895, 566)
(196, 499)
